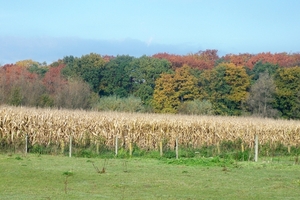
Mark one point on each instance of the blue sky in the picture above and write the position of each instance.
(48, 30)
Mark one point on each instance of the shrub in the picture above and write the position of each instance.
(196, 107)
(114, 103)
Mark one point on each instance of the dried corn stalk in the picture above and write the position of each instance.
(50, 126)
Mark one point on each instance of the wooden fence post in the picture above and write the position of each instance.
(130, 149)
(97, 147)
(256, 148)
(242, 147)
(116, 146)
(70, 147)
(160, 149)
(62, 147)
(26, 144)
(176, 148)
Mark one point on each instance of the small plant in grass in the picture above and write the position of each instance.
(125, 166)
(18, 158)
(206, 151)
(241, 156)
(295, 150)
(187, 153)
(136, 151)
(86, 153)
(123, 153)
(296, 159)
(169, 154)
(67, 174)
(36, 149)
(151, 154)
(97, 169)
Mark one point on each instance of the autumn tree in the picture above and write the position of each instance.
(203, 59)
(250, 60)
(173, 89)
(200, 60)
(238, 60)
(281, 59)
(27, 63)
(165, 99)
(226, 87)
(175, 60)
(18, 86)
(185, 84)
(53, 79)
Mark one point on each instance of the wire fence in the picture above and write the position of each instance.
(235, 150)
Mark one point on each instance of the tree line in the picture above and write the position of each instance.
(263, 84)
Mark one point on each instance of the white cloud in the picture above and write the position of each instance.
(149, 41)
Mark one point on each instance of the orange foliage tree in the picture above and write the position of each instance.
(249, 60)
(200, 60)
(172, 89)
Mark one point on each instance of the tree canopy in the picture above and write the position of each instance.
(263, 84)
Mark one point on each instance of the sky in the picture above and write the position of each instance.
(48, 30)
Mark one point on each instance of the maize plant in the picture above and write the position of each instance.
(53, 126)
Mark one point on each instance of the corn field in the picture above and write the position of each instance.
(54, 126)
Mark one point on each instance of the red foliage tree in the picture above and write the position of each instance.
(12, 74)
(249, 60)
(238, 60)
(53, 79)
(200, 60)
(107, 58)
(282, 59)
(175, 60)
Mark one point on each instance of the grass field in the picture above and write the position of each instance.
(57, 177)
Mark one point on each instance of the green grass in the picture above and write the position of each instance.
(58, 177)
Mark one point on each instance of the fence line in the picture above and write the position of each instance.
(220, 149)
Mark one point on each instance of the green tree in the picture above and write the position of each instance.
(144, 71)
(261, 67)
(226, 87)
(116, 79)
(16, 97)
(40, 70)
(88, 68)
(287, 82)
